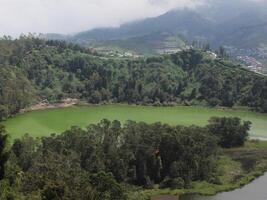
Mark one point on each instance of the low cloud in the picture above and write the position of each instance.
(70, 16)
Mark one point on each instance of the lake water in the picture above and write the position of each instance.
(45, 122)
(257, 190)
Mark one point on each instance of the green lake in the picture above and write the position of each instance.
(45, 122)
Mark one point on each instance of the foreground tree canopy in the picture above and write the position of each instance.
(32, 70)
(99, 162)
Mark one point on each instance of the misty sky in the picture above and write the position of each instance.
(71, 16)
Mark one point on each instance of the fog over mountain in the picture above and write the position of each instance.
(218, 22)
(222, 10)
(72, 16)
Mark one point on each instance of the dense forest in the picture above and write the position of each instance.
(107, 159)
(33, 69)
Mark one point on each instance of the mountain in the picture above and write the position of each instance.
(246, 28)
(186, 22)
(168, 32)
(248, 36)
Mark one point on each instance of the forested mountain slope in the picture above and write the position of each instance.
(34, 69)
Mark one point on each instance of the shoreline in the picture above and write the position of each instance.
(69, 102)
(45, 105)
(203, 188)
(148, 194)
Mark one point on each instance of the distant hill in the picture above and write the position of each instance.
(178, 21)
(246, 30)
(247, 36)
(174, 29)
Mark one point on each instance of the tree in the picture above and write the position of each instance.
(3, 152)
(107, 187)
(230, 131)
(24, 149)
(55, 191)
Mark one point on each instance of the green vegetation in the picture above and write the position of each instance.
(107, 158)
(230, 131)
(110, 161)
(149, 44)
(3, 153)
(41, 123)
(16, 91)
(236, 167)
(54, 70)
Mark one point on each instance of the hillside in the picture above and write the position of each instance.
(35, 70)
(154, 43)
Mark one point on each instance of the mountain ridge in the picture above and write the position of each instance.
(246, 29)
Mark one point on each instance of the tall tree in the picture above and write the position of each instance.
(3, 152)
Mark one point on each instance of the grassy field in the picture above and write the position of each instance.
(45, 122)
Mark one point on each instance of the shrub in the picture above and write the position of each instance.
(175, 183)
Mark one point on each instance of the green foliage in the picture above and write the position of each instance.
(16, 91)
(33, 69)
(230, 131)
(53, 192)
(173, 183)
(3, 153)
(94, 163)
(107, 187)
(91, 163)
